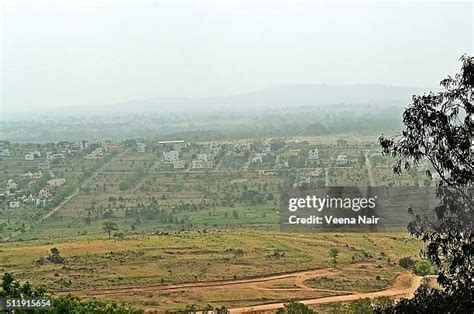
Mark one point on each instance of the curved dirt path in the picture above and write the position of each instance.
(307, 274)
(405, 285)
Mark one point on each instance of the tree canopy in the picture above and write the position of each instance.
(438, 130)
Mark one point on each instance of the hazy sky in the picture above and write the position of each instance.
(60, 53)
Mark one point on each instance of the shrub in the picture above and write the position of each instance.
(406, 262)
(295, 308)
(423, 268)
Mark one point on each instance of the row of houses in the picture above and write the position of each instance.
(38, 202)
(39, 199)
(95, 154)
(32, 155)
(202, 160)
(72, 148)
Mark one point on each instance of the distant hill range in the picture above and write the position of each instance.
(290, 96)
(278, 97)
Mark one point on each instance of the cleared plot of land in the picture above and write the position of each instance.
(178, 269)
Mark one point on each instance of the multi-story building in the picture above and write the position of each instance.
(179, 164)
(56, 182)
(141, 147)
(14, 204)
(341, 160)
(30, 156)
(202, 164)
(313, 154)
(171, 156)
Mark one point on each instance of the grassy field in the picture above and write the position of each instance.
(367, 262)
(200, 236)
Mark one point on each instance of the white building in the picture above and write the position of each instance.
(302, 180)
(282, 165)
(341, 160)
(84, 144)
(141, 147)
(171, 156)
(53, 156)
(4, 152)
(203, 164)
(15, 204)
(202, 157)
(56, 182)
(40, 203)
(177, 145)
(11, 185)
(28, 199)
(179, 164)
(257, 158)
(95, 154)
(30, 156)
(313, 154)
(317, 172)
(43, 193)
(205, 157)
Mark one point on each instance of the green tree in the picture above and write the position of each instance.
(406, 262)
(361, 306)
(295, 308)
(438, 129)
(423, 268)
(334, 253)
(109, 226)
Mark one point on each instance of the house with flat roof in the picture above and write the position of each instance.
(14, 204)
(313, 154)
(141, 147)
(170, 157)
(179, 164)
(30, 156)
(341, 160)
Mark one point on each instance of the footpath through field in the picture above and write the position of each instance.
(404, 286)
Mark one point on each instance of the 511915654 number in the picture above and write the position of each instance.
(26, 303)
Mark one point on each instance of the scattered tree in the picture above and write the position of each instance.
(295, 308)
(109, 226)
(438, 128)
(406, 262)
(334, 253)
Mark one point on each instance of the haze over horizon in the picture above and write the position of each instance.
(56, 55)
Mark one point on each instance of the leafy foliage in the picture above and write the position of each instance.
(295, 308)
(427, 300)
(109, 226)
(406, 262)
(438, 129)
(423, 268)
(334, 253)
(64, 304)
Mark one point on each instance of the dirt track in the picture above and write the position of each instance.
(404, 285)
(299, 276)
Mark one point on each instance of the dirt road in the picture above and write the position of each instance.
(83, 184)
(404, 286)
(299, 276)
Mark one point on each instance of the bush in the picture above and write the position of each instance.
(423, 268)
(11, 288)
(295, 308)
(361, 306)
(428, 300)
(406, 262)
